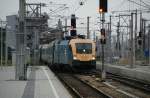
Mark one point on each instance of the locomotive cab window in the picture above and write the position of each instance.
(84, 48)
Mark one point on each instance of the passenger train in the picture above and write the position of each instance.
(74, 53)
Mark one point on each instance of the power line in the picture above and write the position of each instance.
(138, 4)
(119, 5)
(139, 10)
(145, 3)
(80, 3)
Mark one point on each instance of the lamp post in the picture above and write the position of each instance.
(1, 44)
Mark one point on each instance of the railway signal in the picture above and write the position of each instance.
(103, 36)
(73, 20)
(102, 11)
(140, 38)
(73, 25)
(139, 41)
(140, 34)
(102, 6)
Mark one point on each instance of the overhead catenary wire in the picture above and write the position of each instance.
(145, 3)
(119, 5)
(138, 4)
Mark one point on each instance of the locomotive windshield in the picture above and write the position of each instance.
(84, 48)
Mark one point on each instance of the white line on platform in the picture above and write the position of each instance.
(51, 84)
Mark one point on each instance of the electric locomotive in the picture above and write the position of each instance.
(83, 53)
(74, 53)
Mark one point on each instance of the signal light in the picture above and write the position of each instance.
(139, 42)
(73, 32)
(140, 34)
(73, 21)
(102, 6)
(103, 41)
(103, 36)
(103, 32)
(100, 10)
(140, 38)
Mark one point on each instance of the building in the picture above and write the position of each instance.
(12, 29)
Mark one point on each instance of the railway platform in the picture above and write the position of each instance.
(40, 83)
(138, 72)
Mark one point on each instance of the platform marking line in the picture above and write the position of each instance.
(51, 84)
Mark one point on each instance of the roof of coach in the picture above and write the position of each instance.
(78, 40)
(56, 42)
(64, 42)
(60, 42)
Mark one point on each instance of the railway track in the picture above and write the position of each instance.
(80, 88)
(130, 82)
(138, 84)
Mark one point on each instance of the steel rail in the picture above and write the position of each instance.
(131, 82)
(84, 91)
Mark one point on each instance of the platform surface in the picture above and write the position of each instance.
(41, 83)
(138, 72)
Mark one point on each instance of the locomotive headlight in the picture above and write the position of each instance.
(74, 58)
(93, 58)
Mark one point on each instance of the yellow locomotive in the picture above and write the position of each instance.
(83, 51)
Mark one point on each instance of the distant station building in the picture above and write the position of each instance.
(33, 28)
(12, 29)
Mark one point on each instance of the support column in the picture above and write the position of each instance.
(110, 52)
(103, 74)
(66, 26)
(88, 31)
(20, 43)
(149, 42)
(132, 43)
(1, 44)
(136, 35)
(118, 39)
(6, 48)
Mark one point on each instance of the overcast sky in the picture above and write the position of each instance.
(90, 7)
